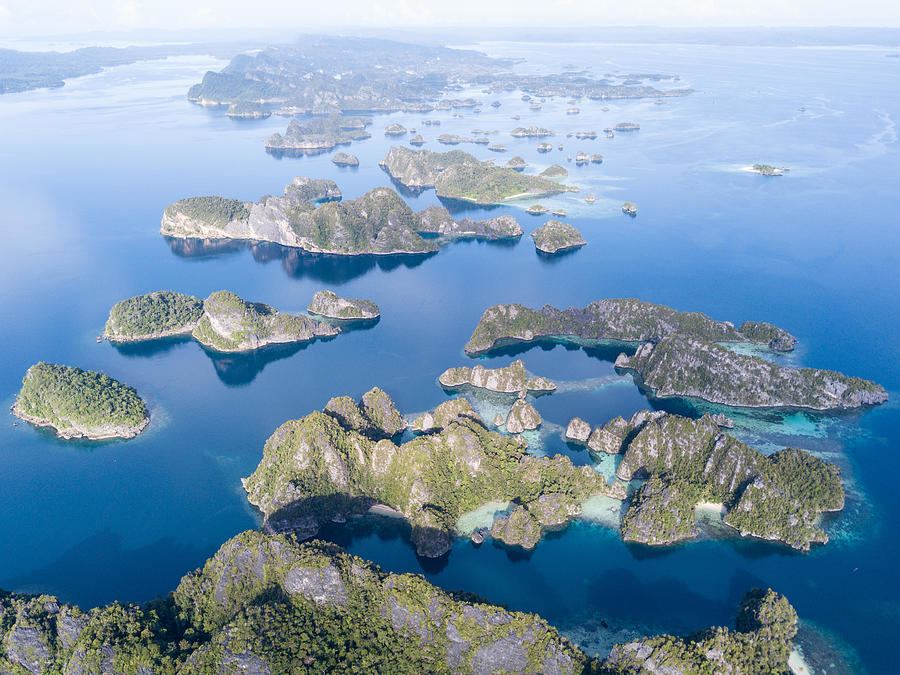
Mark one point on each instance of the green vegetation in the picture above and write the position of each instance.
(766, 626)
(320, 133)
(554, 236)
(767, 170)
(213, 210)
(153, 315)
(323, 466)
(510, 379)
(231, 324)
(330, 304)
(683, 366)
(623, 320)
(265, 603)
(269, 604)
(249, 109)
(80, 402)
(778, 497)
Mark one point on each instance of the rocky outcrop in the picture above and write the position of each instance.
(374, 416)
(329, 465)
(80, 403)
(766, 626)
(378, 223)
(319, 134)
(578, 430)
(336, 609)
(331, 305)
(516, 163)
(437, 220)
(343, 159)
(522, 417)
(530, 132)
(231, 324)
(394, 129)
(620, 320)
(682, 366)
(554, 171)
(511, 379)
(555, 236)
(778, 497)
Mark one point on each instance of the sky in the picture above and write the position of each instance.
(21, 18)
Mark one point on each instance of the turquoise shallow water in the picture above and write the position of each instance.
(88, 169)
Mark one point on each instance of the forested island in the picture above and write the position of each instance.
(223, 322)
(308, 217)
(80, 403)
(331, 74)
(319, 134)
(459, 175)
(266, 604)
(341, 461)
(777, 497)
(511, 379)
(555, 236)
(620, 320)
(331, 305)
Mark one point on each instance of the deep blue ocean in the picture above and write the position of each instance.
(86, 171)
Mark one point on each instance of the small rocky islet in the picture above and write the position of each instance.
(329, 304)
(555, 236)
(223, 322)
(80, 403)
(511, 379)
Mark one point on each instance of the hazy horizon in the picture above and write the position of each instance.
(21, 19)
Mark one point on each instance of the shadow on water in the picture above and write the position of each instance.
(556, 258)
(297, 263)
(241, 368)
(455, 206)
(162, 564)
(149, 348)
(601, 352)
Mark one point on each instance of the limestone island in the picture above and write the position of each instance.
(226, 322)
(437, 220)
(394, 129)
(531, 132)
(619, 320)
(554, 171)
(627, 126)
(340, 611)
(417, 140)
(537, 210)
(331, 305)
(248, 110)
(343, 159)
(509, 380)
(342, 461)
(690, 463)
(79, 403)
(767, 169)
(555, 236)
(629, 209)
(544, 147)
(516, 163)
(306, 217)
(319, 134)
(497, 147)
(458, 175)
(682, 366)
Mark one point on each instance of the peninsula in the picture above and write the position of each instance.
(679, 365)
(378, 223)
(80, 403)
(618, 320)
(341, 461)
(336, 611)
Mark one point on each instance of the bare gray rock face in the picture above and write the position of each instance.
(522, 417)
